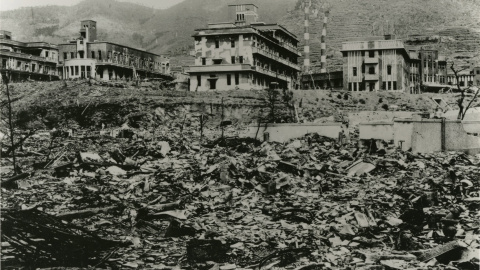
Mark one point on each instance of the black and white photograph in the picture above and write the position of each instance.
(240, 134)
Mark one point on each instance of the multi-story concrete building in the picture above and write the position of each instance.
(433, 67)
(86, 57)
(384, 64)
(244, 54)
(375, 65)
(27, 60)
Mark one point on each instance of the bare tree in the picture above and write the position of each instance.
(460, 102)
(11, 130)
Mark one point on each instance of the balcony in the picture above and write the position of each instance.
(219, 68)
(371, 77)
(369, 60)
(28, 57)
(123, 64)
(274, 57)
(270, 73)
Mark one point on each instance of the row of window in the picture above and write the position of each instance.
(371, 70)
(212, 82)
(390, 85)
(232, 43)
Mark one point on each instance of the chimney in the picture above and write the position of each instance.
(323, 45)
(306, 36)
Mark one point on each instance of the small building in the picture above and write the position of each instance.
(27, 60)
(86, 57)
(326, 81)
(244, 54)
(466, 78)
(376, 65)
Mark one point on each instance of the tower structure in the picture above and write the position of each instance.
(323, 46)
(306, 35)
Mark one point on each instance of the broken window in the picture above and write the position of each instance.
(204, 61)
(232, 42)
(371, 54)
(93, 54)
(240, 59)
(46, 53)
(354, 71)
(229, 79)
(72, 55)
(199, 80)
(76, 70)
(99, 55)
(65, 56)
(237, 79)
(389, 70)
(233, 59)
(394, 85)
(371, 70)
(217, 43)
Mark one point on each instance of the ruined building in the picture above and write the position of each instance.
(27, 60)
(375, 64)
(86, 57)
(244, 54)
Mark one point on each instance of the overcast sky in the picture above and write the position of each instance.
(14, 4)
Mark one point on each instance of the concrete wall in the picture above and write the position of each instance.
(368, 116)
(285, 132)
(376, 130)
(457, 139)
(424, 135)
(472, 126)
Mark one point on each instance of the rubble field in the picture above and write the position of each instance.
(178, 201)
(172, 193)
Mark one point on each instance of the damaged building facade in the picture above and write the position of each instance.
(245, 54)
(86, 57)
(27, 60)
(376, 64)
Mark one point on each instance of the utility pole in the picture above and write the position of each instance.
(221, 123)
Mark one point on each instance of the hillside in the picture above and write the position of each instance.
(452, 26)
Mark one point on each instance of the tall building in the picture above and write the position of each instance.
(375, 65)
(86, 57)
(244, 54)
(27, 60)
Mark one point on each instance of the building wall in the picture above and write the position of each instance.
(285, 132)
(221, 83)
(390, 70)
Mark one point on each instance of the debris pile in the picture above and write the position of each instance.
(313, 202)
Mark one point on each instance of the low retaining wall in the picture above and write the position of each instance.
(425, 135)
(285, 132)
